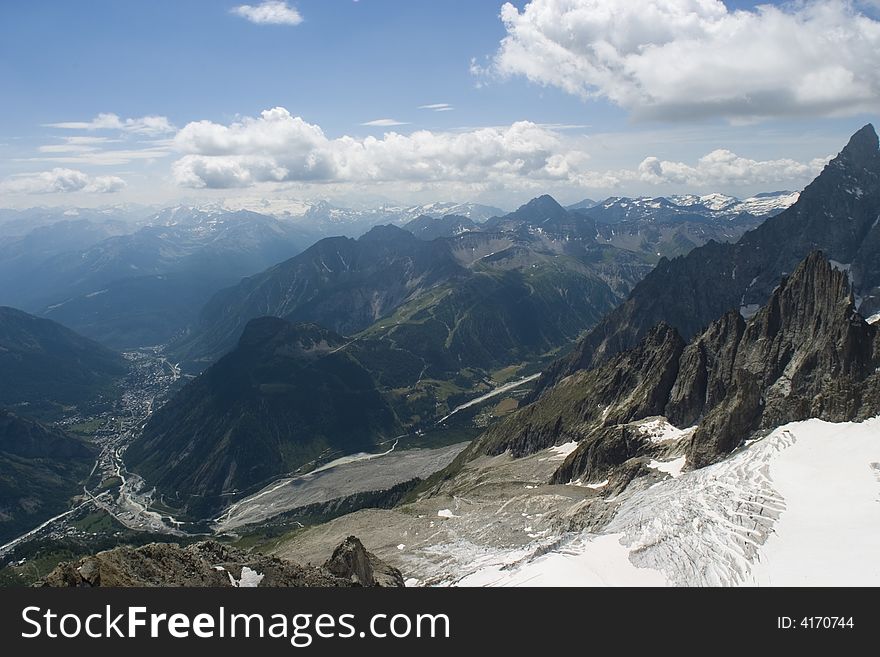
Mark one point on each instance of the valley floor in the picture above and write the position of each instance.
(798, 507)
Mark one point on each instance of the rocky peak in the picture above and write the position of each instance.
(539, 209)
(862, 148)
(351, 561)
(387, 233)
(805, 354)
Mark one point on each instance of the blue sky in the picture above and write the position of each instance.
(549, 95)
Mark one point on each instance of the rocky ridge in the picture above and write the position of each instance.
(210, 563)
(807, 353)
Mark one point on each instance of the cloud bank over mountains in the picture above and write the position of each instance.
(279, 147)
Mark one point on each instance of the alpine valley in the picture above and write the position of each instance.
(651, 390)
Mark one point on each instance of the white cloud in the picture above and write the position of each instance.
(438, 107)
(277, 148)
(384, 123)
(77, 145)
(60, 180)
(91, 156)
(681, 59)
(270, 12)
(722, 169)
(145, 125)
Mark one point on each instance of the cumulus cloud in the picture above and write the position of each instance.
(723, 168)
(60, 180)
(682, 59)
(270, 12)
(277, 147)
(144, 125)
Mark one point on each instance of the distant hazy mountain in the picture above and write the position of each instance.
(140, 288)
(582, 205)
(704, 209)
(837, 213)
(651, 227)
(18, 223)
(429, 228)
(324, 219)
(45, 365)
(286, 395)
(41, 468)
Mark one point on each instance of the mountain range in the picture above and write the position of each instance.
(838, 213)
(805, 354)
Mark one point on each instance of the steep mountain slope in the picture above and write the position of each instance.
(283, 397)
(340, 283)
(45, 365)
(806, 354)
(838, 213)
(40, 470)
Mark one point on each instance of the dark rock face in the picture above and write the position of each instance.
(604, 449)
(351, 561)
(201, 565)
(838, 213)
(634, 385)
(806, 354)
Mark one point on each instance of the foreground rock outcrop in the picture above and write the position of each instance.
(210, 563)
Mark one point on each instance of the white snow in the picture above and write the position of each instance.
(446, 513)
(829, 534)
(672, 468)
(559, 452)
(749, 310)
(401, 546)
(249, 579)
(601, 484)
(799, 507)
(659, 430)
(874, 319)
(588, 561)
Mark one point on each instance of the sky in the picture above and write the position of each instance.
(363, 102)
